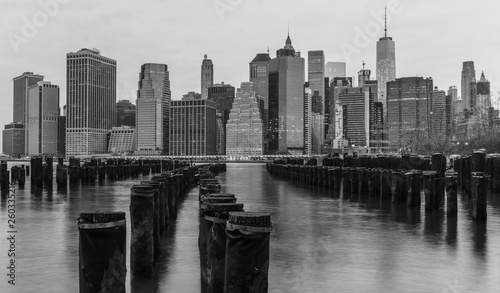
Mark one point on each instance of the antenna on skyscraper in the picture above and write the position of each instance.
(364, 65)
(385, 20)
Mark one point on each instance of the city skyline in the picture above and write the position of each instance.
(409, 22)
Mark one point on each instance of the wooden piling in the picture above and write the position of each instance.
(413, 184)
(451, 193)
(142, 212)
(156, 216)
(479, 186)
(212, 244)
(431, 200)
(102, 252)
(247, 252)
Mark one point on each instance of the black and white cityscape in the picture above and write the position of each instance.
(250, 146)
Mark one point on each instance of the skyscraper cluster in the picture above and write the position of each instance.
(279, 111)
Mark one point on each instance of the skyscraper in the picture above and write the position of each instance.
(43, 109)
(13, 142)
(207, 76)
(286, 101)
(307, 119)
(223, 95)
(483, 100)
(386, 66)
(20, 109)
(409, 102)
(437, 117)
(91, 102)
(193, 127)
(245, 128)
(153, 105)
(316, 73)
(468, 81)
(335, 69)
(259, 76)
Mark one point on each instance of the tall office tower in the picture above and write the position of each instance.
(245, 130)
(327, 105)
(363, 76)
(286, 101)
(20, 109)
(259, 75)
(125, 113)
(437, 117)
(317, 123)
(448, 112)
(409, 100)
(380, 135)
(358, 115)
(339, 141)
(458, 106)
(223, 95)
(43, 113)
(453, 92)
(61, 136)
(335, 69)
(193, 128)
(307, 119)
(316, 73)
(221, 134)
(386, 66)
(91, 102)
(468, 81)
(153, 106)
(336, 85)
(207, 76)
(483, 100)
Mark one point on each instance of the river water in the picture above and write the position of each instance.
(321, 242)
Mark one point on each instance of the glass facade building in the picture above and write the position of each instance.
(286, 102)
(125, 113)
(153, 106)
(386, 67)
(43, 119)
(91, 102)
(409, 102)
(223, 95)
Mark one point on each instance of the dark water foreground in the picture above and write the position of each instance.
(320, 243)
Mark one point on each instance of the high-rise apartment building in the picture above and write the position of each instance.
(437, 118)
(193, 128)
(245, 130)
(307, 120)
(207, 76)
(386, 66)
(286, 101)
(153, 106)
(468, 85)
(335, 69)
(483, 100)
(223, 95)
(125, 113)
(337, 84)
(91, 102)
(409, 102)
(43, 118)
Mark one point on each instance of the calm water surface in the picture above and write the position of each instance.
(321, 242)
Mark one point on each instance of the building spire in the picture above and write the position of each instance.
(364, 65)
(385, 21)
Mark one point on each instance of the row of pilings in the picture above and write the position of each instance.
(234, 245)
(154, 205)
(402, 179)
(81, 171)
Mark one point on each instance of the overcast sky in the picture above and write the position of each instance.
(432, 38)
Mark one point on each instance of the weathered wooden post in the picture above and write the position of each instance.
(431, 199)
(212, 244)
(4, 176)
(142, 210)
(48, 175)
(156, 216)
(353, 177)
(479, 186)
(247, 252)
(451, 193)
(172, 200)
(61, 176)
(413, 183)
(22, 176)
(496, 174)
(346, 184)
(397, 187)
(385, 184)
(102, 252)
(162, 179)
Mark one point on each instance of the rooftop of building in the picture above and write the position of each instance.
(261, 57)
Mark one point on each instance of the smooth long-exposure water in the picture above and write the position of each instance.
(321, 242)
